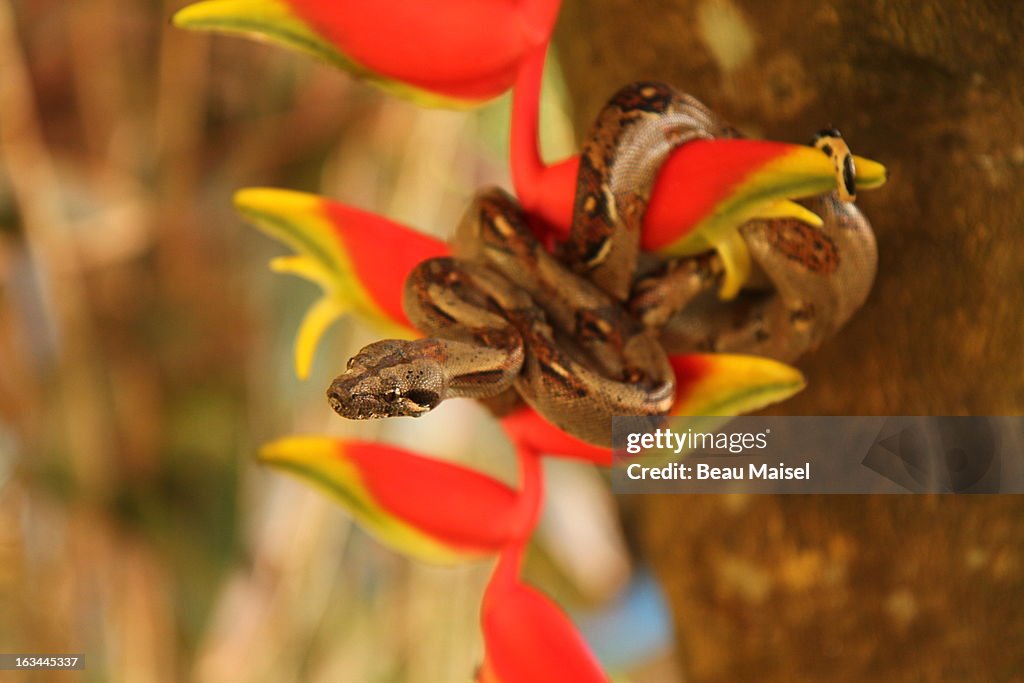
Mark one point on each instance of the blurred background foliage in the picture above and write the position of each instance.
(145, 354)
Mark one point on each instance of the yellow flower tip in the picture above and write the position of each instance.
(784, 208)
(287, 264)
(274, 21)
(789, 380)
(188, 16)
(271, 21)
(236, 16)
(737, 264)
(732, 283)
(781, 379)
(870, 174)
(734, 384)
(298, 220)
(316, 322)
(274, 201)
(767, 370)
(304, 267)
(805, 171)
(296, 448)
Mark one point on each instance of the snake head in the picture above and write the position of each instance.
(390, 378)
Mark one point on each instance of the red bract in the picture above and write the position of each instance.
(359, 259)
(704, 191)
(382, 254)
(533, 434)
(442, 512)
(527, 637)
(453, 53)
(465, 49)
(425, 508)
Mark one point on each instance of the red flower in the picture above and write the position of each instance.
(704, 192)
(527, 637)
(442, 512)
(444, 52)
(422, 507)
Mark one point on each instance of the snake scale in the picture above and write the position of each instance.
(582, 333)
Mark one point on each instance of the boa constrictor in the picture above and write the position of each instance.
(582, 334)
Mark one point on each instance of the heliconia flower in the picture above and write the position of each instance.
(527, 637)
(424, 508)
(705, 190)
(726, 384)
(360, 260)
(713, 384)
(452, 53)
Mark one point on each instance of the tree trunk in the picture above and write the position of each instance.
(851, 588)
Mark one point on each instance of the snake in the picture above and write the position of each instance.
(582, 332)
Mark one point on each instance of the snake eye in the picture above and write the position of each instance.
(426, 399)
(351, 362)
(392, 395)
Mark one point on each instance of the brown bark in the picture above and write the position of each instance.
(852, 588)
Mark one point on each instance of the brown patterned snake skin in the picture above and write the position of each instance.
(583, 335)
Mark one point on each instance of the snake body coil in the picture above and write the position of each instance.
(504, 313)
